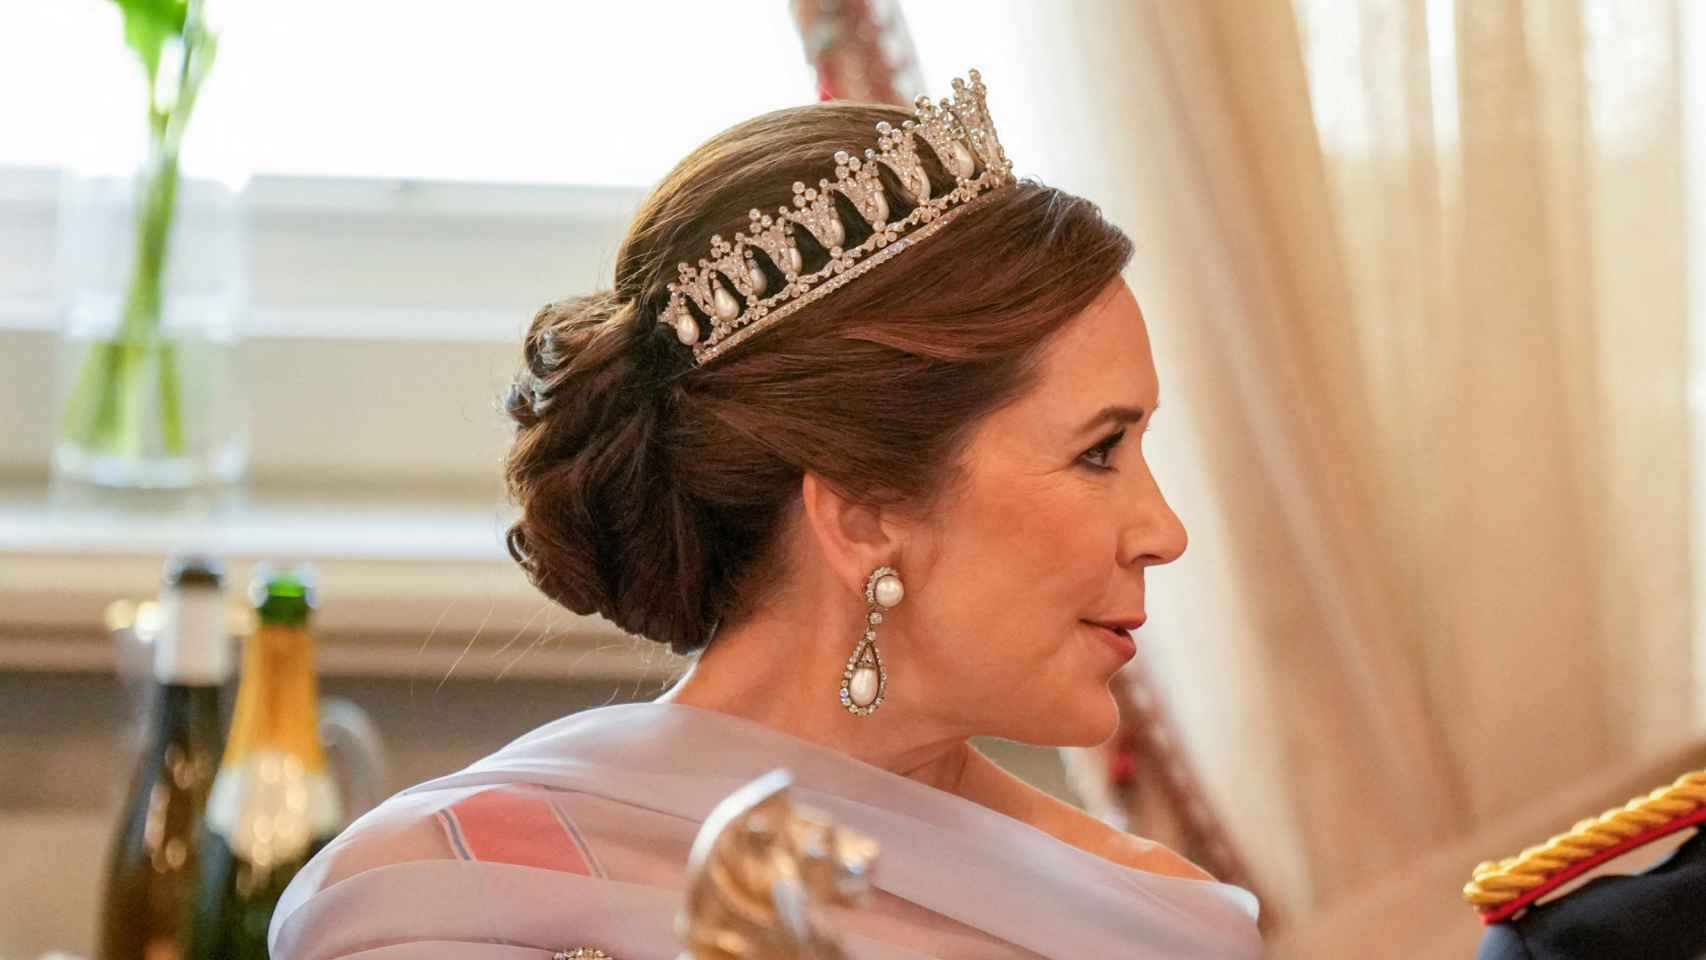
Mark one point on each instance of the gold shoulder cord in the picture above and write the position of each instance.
(1500, 882)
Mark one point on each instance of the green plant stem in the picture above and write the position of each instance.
(105, 409)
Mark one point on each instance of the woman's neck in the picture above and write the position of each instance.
(775, 676)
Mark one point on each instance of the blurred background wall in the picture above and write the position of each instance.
(1420, 276)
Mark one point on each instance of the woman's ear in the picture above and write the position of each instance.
(852, 538)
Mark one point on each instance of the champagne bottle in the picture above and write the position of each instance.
(273, 804)
(152, 882)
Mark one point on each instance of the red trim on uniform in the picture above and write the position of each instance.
(509, 826)
(1505, 910)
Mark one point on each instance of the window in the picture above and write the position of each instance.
(506, 90)
(425, 175)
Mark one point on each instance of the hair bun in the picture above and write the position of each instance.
(589, 471)
(568, 339)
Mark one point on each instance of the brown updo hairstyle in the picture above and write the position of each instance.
(656, 494)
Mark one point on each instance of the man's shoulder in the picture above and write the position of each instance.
(1563, 899)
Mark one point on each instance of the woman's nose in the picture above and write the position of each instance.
(1153, 535)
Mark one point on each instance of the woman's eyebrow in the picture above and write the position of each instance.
(1114, 413)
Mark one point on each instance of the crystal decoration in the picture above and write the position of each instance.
(958, 130)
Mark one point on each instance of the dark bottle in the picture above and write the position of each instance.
(151, 884)
(273, 804)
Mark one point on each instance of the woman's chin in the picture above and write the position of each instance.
(1089, 723)
(1092, 735)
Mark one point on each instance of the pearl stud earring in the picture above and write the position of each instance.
(864, 680)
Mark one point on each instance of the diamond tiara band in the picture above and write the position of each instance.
(958, 131)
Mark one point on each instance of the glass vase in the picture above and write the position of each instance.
(153, 278)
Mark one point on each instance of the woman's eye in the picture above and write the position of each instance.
(1097, 456)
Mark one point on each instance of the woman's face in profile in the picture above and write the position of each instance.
(1055, 521)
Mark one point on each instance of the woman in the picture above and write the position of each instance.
(876, 460)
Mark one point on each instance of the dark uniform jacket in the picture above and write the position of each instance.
(1658, 914)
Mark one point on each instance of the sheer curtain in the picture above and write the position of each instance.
(1518, 253)
(1415, 274)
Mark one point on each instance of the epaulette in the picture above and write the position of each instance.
(1500, 889)
(1652, 914)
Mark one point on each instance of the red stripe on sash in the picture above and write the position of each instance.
(509, 826)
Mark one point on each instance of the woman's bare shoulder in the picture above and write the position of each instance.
(994, 787)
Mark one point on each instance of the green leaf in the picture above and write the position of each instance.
(148, 24)
(169, 14)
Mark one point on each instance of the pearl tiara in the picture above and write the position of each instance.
(958, 131)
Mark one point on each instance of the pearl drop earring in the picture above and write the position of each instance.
(864, 680)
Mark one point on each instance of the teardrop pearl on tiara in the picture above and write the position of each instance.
(879, 211)
(959, 161)
(686, 328)
(728, 307)
(864, 680)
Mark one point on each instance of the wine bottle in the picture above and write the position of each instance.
(273, 804)
(151, 882)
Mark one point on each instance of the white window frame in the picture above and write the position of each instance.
(385, 323)
(421, 288)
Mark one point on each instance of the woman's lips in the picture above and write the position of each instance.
(1118, 639)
